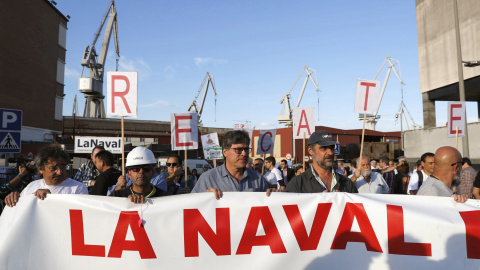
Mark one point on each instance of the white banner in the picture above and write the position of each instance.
(122, 91)
(211, 146)
(86, 144)
(366, 96)
(266, 141)
(303, 122)
(184, 131)
(241, 231)
(456, 118)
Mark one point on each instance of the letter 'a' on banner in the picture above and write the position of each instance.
(456, 118)
(303, 121)
(184, 131)
(366, 97)
(266, 141)
(122, 94)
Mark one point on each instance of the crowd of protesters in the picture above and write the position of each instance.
(443, 173)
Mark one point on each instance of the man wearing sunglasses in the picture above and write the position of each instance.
(446, 173)
(233, 175)
(140, 162)
(175, 176)
(52, 164)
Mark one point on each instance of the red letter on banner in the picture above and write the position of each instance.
(261, 143)
(366, 234)
(141, 243)
(396, 235)
(120, 94)
(194, 223)
(271, 238)
(366, 93)
(304, 241)
(303, 115)
(183, 130)
(472, 223)
(78, 238)
(453, 106)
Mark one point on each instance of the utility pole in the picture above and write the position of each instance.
(461, 84)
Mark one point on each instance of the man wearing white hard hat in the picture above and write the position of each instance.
(139, 166)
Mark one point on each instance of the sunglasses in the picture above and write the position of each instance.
(146, 169)
(460, 162)
(172, 164)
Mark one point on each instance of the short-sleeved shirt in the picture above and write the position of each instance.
(104, 180)
(68, 186)
(274, 176)
(86, 172)
(413, 184)
(434, 187)
(376, 185)
(219, 177)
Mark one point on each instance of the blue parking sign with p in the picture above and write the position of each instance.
(337, 148)
(10, 130)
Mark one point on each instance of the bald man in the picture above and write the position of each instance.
(446, 173)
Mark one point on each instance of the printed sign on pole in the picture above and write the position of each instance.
(10, 130)
(86, 144)
(337, 149)
(184, 131)
(266, 141)
(122, 93)
(211, 147)
(366, 97)
(303, 121)
(456, 118)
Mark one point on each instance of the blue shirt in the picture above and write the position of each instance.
(157, 180)
(219, 177)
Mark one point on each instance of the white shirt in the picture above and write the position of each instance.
(69, 186)
(273, 176)
(413, 184)
(377, 184)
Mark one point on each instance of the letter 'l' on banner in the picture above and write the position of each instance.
(184, 131)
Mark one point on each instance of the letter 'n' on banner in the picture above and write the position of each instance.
(184, 131)
(303, 122)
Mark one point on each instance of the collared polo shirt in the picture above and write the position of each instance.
(332, 185)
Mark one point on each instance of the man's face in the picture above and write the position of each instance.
(141, 175)
(98, 164)
(237, 155)
(283, 165)
(55, 171)
(365, 168)
(373, 163)
(94, 153)
(428, 165)
(269, 165)
(172, 163)
(322, 155)
(205, 169)
(257, 165)
(382, 164)
(390, 163)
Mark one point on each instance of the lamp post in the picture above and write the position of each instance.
(460, 77)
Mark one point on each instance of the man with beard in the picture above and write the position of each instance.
(368, 181)
(446, 173)
(321, 177)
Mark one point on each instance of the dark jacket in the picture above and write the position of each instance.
(306, 183)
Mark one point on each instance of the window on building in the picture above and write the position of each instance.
(58, 107)
(60, 71)
(155, 140)
(142, 139)
(62, 36)
(128, 139)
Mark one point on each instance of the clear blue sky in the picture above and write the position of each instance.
(255, 50)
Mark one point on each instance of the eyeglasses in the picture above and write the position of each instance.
(460, 162)
(172, 164)
(146, 169)
(239, 150)
(55, 168)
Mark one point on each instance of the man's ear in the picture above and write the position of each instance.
(310, 150)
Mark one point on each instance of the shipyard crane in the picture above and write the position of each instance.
(92, 86)
(287, 117)
(193, 106)
(372, 119)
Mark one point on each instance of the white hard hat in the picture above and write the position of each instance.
(140, 156)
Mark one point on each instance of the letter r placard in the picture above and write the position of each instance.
(366, 96)
(122, 94)
(456, 118)
(184, 131)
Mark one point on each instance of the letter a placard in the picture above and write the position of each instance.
(456, 118)
(303, 121)
(184, 131)
(366, 97)
(122, 93)
(266, 141)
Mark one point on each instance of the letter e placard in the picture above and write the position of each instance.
(184, 131)
(122, 94)
(456, 118)
(366, 97)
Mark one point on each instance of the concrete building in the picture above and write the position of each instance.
(32, 65)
